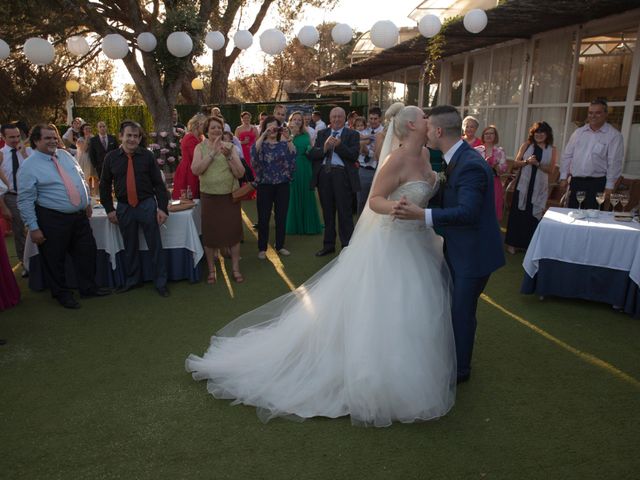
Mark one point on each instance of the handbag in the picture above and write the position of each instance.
(243, 192)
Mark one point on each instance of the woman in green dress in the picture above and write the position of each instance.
(302, 217)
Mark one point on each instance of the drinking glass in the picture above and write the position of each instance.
(624, 200)
(600, 199)
(580, 196)
(614, 199)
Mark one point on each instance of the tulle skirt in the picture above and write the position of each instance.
(368, 336)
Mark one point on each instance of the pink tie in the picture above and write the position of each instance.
(72, 191)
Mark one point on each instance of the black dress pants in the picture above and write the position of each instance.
(67, 233)
(336, 196)
(143, 215)
(268, 197)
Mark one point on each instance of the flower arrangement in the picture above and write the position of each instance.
(166, 150)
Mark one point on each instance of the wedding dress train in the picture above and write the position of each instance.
(368, 336)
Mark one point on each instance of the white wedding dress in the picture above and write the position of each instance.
(368, 336)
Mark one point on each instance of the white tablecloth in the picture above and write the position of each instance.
(600, 242)
(183, 231)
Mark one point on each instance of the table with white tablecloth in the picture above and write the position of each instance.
(180, 242)
(592, 258)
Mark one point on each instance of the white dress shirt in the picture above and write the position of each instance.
(592, 153)
(428, 219)
(7, 164)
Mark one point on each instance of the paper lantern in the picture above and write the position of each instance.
(38, 51)
(243, 39)
(114, 46)
(429, 26)
(272, 41)
(179, 44)
(308, 35)
(214, 40)
(384, 34)
(197, 83)
(147, 41)
(72, 86)
(4, 49)
(341, 34)
(475, 20)
(77, 46)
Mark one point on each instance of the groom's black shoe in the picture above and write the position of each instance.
(325, 251)
(463, 378)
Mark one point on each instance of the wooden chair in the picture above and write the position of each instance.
(630, 186)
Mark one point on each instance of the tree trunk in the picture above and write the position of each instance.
(219, 78)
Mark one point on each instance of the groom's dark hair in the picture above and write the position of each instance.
(448, 119)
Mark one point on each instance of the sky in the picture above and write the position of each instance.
(360, 15)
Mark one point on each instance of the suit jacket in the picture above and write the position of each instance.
(348, 151)
(97, 151)
(467, 219)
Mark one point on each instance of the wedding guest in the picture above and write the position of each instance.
(54, 204)
(247, 134)
(176, 121)
(82, 154)
(60, 142)
(316, 116)
(302, 217)
(215, 111)
(497, 160)
(219, 168)
(133, 174)
(309, 126)
(100, 145)
(469, 128)
(9, 291)
(368, 161)
(351, 118)
(334, 156)
(536, 158)
(274, 162)
(592, 157)
(72, 134)
(280, 112)
(184, 179)
(12, 156)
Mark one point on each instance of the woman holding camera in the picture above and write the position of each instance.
(274, 158)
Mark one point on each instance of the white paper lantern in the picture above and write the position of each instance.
(147, 41)
(243, 39)
(341, 34)
(272, 41)
(4, 49)
(384, 34)
(475, 20)
(114, 46)
(38, 51)
(179, 44)
(77, 46)
(308, 35)
(214, 40)
(429, 26)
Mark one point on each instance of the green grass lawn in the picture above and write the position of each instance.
(101, 392)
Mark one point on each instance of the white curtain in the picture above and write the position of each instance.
(506, 75)
(552, 61)
(480, 81)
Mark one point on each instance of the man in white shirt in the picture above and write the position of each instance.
(593, 157)
(12, 156)
(369, 162)
(317, 120)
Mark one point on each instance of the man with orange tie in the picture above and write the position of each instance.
(54, 205)
(142, 202)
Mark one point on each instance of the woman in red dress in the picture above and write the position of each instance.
(9, 291)
(184, 177)
(247, 134)
(497, 160)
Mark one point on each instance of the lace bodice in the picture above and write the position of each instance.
(418, 192)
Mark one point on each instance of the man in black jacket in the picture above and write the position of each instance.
(100, 145)
(335, 173)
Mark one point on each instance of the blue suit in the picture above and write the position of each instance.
(473, 246)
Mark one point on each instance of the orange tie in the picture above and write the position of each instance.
(132, 194)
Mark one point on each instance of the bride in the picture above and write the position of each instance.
(370, 334)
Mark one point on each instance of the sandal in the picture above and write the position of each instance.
(213, 277)
(237, 276)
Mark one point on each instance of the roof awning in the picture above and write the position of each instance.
(511, 20)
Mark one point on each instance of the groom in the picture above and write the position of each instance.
(467, 221)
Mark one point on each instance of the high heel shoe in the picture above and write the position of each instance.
(237, 276)
(213, 277)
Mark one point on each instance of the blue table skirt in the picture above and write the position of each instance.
(599, 284)
(179, 267)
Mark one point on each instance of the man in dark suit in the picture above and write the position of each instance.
(467, 221)
(100, 145)
(335, 173)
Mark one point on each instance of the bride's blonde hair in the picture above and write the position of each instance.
(402, 115)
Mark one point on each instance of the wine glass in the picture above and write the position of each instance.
(624, 200)
(600, 199)
(614, 199)
(580, 196)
